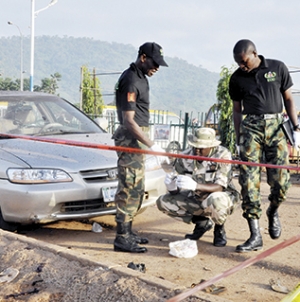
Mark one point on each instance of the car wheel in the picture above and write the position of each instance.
(173, 147)
(7, 226)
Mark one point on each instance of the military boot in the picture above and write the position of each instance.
(137, 238)
(255, 242)
(274, 223)
(202, 225)
(219, 235)
(124, 241)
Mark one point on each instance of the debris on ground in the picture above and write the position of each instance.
(212, 289)
(277, 287)
(8, 275)
(138, 267)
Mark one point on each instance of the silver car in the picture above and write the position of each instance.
(42, 182)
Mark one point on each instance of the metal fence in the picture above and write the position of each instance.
(168, 130)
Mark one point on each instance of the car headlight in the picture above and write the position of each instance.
(36, 176)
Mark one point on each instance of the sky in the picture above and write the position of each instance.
(200, 32)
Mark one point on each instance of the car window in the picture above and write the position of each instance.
(43, 116)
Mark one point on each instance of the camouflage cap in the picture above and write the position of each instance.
(204, 138)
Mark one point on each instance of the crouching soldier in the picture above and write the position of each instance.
(201, 191)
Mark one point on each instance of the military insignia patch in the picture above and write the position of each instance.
(131, 97)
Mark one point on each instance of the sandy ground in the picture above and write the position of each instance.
(59, 278)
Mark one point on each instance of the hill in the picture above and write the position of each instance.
(180, 87)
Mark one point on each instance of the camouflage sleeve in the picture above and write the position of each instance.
(224, 171)
(183, 165)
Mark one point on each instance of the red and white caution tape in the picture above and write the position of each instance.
(142, 151)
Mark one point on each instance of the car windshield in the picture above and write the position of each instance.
(42, 115)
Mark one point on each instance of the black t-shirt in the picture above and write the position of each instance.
(132, 94)
(261, 89)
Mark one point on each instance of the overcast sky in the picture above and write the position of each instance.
(202, 32)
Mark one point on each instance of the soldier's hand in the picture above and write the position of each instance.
(186, 183)
(171, 182)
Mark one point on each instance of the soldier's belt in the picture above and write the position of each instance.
(267, 116)
(144, 128)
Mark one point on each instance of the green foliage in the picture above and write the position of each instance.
(92, 102)
(26, 84)
(48, 85)
(225, 106)
(8, 84)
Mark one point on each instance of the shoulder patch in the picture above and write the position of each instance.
(131, 97)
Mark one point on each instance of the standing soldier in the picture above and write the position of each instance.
(259, 88)
(132, 101)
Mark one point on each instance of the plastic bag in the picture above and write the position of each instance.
(96, 228)
(183, 248)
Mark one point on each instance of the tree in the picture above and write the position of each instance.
(48, 85)
(225, 106)
(92, 102)
(8, 84)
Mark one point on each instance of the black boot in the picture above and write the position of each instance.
(219, 235)
(274, 223)
(124, 241)
(255, 242)
(202, 225)
(137, 238)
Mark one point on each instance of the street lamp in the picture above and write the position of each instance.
(21, 63)
(33, 15)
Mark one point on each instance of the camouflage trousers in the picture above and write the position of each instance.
(183, 206)
(131, 176)
(262, 141)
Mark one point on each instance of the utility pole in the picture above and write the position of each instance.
(33, 15)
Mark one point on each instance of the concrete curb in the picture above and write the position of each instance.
(107, 266)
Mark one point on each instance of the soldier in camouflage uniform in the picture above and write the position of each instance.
(259, 88)
(201, 192)
(132, 101)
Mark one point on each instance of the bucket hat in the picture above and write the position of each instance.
(204, 138)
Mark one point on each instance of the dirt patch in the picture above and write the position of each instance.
(51, 273)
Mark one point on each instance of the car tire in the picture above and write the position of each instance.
(7, 226)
